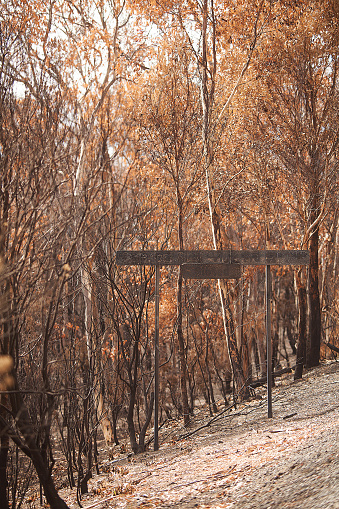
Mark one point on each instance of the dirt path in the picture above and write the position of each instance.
(244, 460)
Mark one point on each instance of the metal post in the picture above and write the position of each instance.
(156, 361)
(269, 340)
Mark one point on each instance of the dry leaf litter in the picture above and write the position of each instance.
(240, 460)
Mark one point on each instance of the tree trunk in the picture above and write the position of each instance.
(255, 352)
(212, 403)
(246, 362)
(180, 335)
(208, 73)
(182, 356)
(313, 351)
(26, 429)
(133, 380)
(143, 430)
(301, 346)
(3, 469)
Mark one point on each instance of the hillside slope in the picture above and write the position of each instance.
(242, 459)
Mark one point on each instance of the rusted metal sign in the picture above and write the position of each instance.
(211, 270)
(245, 257)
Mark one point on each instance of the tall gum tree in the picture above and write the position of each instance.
(297, 123)
(213, 30)
(169, 127)
(209, 26)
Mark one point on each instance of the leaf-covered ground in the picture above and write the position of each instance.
(241, 460)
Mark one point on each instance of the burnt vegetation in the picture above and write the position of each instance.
(225, 138)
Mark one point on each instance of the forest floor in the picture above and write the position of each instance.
(240, 460)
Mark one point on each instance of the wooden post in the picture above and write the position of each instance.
(156, 361)
(269, 340)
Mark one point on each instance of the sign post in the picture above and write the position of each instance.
(212, 264)
(156, 361)
(269, 340)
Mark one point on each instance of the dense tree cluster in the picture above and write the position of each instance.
(156, 125)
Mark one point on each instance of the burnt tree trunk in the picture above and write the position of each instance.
(182, 356)
(25, 427)
(133, 380)
(301, 345)
(208, 69)
(180, 335)
(3, 469)
(212, 403)
(313, 351)
(246, 362)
